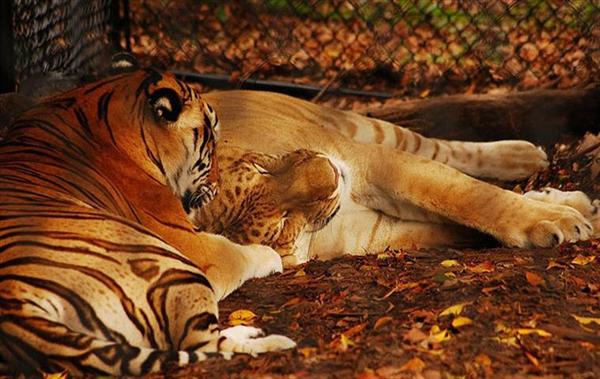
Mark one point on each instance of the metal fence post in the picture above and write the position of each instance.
(7, 53)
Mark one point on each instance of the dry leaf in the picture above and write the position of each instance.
(382, 321)
(483, 360)
(582, 260)
(438, 335)
(587, 320)
(294, 301)
(300, 273)
(355, 329)
(532, 359)
(56, 375)
(241, 317)
(461, 321)
(539, 332)
(510, 341)
(453, 310)
(415, 335)
(424, 93)
(449, 263)
(415, 365)
(307, 352)
(345, 342)
(534, 279)
(484, 267)
(552, 263)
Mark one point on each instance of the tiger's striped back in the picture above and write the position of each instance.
(88, 282)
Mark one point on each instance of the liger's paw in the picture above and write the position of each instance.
(512, 160)
(574, 199)
(544, 225)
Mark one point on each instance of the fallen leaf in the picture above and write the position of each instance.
(415, 365)
(381, 321)
(532, 359)
(453, 310)
(510, 341)
(483, 360)
(300, 273)
(56, 375)
(587, 320)
(449, 263)
(539, 332)
(461, 321)
(294, 301)
(501, 328)
(552, 263)
(367, 374)
(484, 267)
(241, 317)
(534, 279)
(424, 93)
(399, 287)
(307, 352)
(442, 277)
(345, 342)
(582, 260)
(355, 330)
(415, 335)
(438, 335)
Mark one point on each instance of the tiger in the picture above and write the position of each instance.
(101, 271)
(317, 182)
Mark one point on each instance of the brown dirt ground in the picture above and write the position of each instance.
(381, 316)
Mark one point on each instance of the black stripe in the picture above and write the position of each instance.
(201, 321)
(83, 121)
(150, 154)
(102, 83)
(153, 78)
(103, 104)
(85, 312)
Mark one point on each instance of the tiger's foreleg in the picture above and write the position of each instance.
(227, 265)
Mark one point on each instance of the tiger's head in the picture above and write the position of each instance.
(164, 126)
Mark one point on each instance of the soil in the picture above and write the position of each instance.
(494, 313)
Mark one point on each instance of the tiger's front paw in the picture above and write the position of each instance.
(263, 260)
(541, 224)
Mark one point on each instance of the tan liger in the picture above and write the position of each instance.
(311, 181)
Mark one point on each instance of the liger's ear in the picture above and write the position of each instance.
(122, 63)
(166, 104)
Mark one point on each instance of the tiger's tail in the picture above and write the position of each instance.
(36, 345)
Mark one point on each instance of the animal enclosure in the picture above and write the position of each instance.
(511, 69)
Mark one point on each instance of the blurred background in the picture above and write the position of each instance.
(350, 54)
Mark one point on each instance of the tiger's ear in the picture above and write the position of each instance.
(166, 104)
(122, 63)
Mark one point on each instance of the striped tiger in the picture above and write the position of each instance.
(312, 181)
(100, 271)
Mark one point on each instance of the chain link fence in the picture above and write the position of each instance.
(405, 47)
(68, 36)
